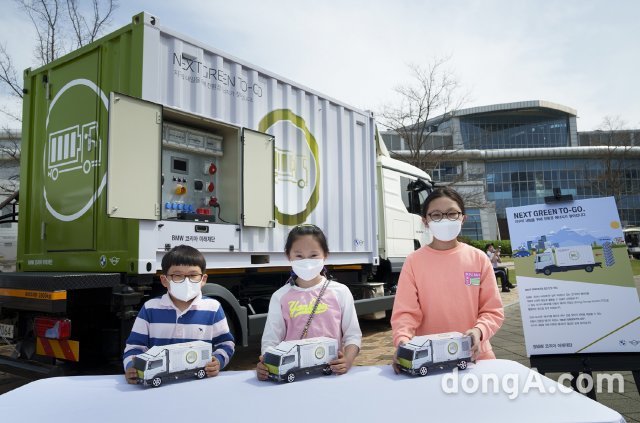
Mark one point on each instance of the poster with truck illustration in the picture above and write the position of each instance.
(576, 289)
(289, 359)
(562, 259)
(437, 351)
(167, 362)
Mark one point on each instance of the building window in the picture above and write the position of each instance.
(472, 226)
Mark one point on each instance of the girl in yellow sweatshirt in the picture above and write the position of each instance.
(447, 285)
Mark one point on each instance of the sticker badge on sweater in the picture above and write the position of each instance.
(472, 278)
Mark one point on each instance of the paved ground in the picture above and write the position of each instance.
(508, 344)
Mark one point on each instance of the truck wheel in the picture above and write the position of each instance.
(547, 272)
(423, 371)
(291, 377)
(156, 381)
(327, 371)
(462, 365)
(201, 374)
(589, 269)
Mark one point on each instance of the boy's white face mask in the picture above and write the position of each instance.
(185, 291)
(307, 269)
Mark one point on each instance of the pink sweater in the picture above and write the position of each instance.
(444, 291)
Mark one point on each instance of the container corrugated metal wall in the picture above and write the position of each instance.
(184, 74)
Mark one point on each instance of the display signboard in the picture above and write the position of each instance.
(577, 291)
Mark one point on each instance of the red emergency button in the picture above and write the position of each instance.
(212, 169)
(210, 187)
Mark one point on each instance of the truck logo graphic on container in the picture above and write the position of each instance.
(73, 148)
(67, 147)
(293, 168)
(297, 166)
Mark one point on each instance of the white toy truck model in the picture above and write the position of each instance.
(561, 259)
(290, 358)
(442, 350)
(172, 362)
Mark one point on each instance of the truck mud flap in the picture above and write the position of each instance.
(29, 369)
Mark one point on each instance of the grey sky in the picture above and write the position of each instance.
(582, 54)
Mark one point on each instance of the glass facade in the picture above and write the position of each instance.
(524, 182)
(514, 131)
(472, 227)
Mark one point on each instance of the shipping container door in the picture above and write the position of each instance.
(74, 153)
(133, 183)
(258, 201)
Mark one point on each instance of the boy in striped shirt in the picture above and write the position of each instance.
(181, 315)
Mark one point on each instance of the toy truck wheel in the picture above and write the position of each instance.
(291, 377)
(201, 374)
(156, 381)
(462, 365)
(589, 269)
(327, 371)
(547, 272)
(423, 371)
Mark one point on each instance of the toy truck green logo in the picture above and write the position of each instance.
(291, 358)
(443, 350)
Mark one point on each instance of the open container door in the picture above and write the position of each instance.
(258, 186)
(133, 182)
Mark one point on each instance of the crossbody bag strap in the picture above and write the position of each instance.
(313, 311)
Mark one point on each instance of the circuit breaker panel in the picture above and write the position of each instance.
(190, 163)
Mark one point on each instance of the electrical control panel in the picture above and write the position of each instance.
(190, 173)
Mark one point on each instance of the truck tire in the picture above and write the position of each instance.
(201, 374)
(422, 371)
(547, 271)
(589, 269)
(156, 382)
(327, 371)
(462, 365)
(291, 377)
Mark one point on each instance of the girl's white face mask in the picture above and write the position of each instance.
(307, 269)
(185, 291)
(445, 230)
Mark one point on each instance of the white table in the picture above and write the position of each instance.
(365, 394)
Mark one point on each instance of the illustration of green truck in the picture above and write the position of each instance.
(441, 351)
(562, 259)
(291, 358)
(173, 361)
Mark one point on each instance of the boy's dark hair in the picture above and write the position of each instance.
(183, 255)
(303, 230)
(486, 247)
(442, 192)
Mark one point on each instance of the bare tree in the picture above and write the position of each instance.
(61, 26)
(434, 92)
(613, 179)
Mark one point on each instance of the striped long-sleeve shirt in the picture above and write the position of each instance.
(160, 322)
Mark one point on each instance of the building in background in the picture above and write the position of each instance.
(514, 154)
(9, 183)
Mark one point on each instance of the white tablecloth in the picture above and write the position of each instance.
(365, 394)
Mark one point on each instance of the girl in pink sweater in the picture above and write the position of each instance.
(447, 285)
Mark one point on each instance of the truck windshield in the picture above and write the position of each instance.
(405, 353)
(271, 359)
(139, 364)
